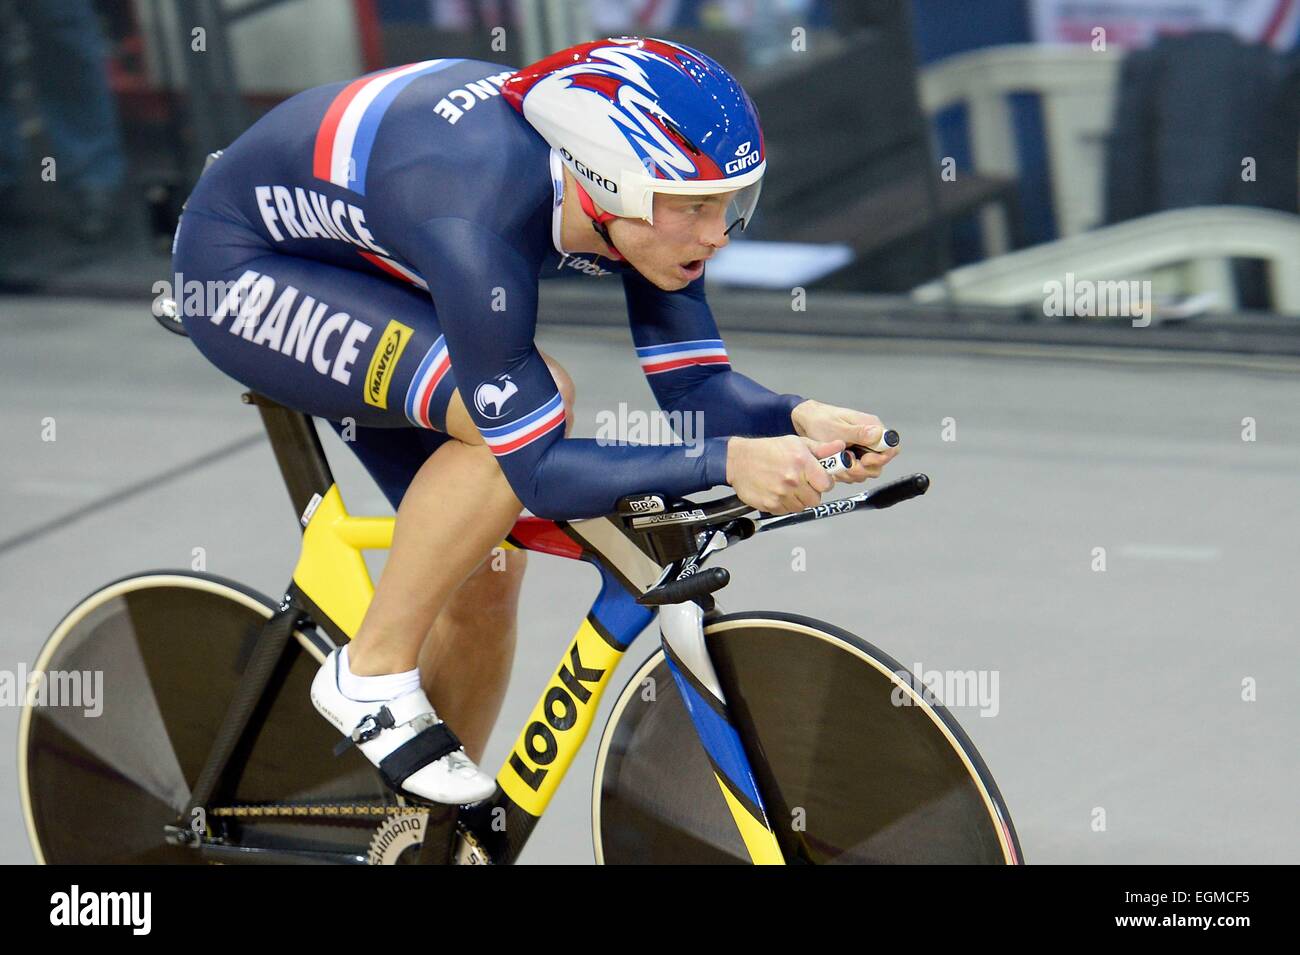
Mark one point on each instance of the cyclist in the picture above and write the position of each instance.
(381, 243)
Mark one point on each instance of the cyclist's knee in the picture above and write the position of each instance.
(566, 387)
(459, 424)
(484, 462)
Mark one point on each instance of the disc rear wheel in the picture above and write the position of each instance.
(155, 660)
(855, 766)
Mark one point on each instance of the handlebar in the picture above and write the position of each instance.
(683, 589)
(649, 510)
(845, 459)
(682, 532)
(887, 495)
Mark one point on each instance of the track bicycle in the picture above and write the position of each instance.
(745, 737)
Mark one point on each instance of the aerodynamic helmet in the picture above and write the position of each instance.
(632, 116)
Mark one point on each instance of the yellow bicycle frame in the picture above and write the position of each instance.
(332, 574)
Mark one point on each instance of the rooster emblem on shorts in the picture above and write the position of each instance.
(490, 395)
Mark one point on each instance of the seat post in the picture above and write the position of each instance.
(297, 448)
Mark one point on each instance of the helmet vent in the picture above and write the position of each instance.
(676, 131)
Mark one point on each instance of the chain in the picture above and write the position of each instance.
(471, 852)
(334, 810)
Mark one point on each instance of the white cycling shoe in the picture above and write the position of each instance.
(416, 752)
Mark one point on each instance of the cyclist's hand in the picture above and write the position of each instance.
(779, 475)
(823, 422)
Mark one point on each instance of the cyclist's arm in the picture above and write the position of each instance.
(685, 362)
(486, 296)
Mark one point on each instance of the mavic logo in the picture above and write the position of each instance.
(387, 354)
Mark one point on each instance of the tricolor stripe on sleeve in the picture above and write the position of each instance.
(347, 132)
(518, 434)
(395, 269)
(433, 369)
(656, 359)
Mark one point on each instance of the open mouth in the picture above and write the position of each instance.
(692, 269)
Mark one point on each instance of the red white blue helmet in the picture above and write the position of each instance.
(632, 116)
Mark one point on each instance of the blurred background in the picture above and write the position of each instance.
(1056, 243)
(942, 149)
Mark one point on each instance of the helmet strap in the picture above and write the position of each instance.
(598, 219)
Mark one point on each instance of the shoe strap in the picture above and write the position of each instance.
(413, 708)
(409, 706)
(427, 746)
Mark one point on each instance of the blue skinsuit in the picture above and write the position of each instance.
(381, 243)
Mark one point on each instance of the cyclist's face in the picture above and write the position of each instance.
(686, 231)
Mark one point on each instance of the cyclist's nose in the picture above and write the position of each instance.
(715, 236)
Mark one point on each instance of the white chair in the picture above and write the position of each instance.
(1076, 88)
(1183, 252)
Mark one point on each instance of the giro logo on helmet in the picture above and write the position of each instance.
(651, 116)
(591, 174)
(744, 162)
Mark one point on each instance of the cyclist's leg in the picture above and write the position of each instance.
(314, 352)
(485, 604)
(465, 661)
